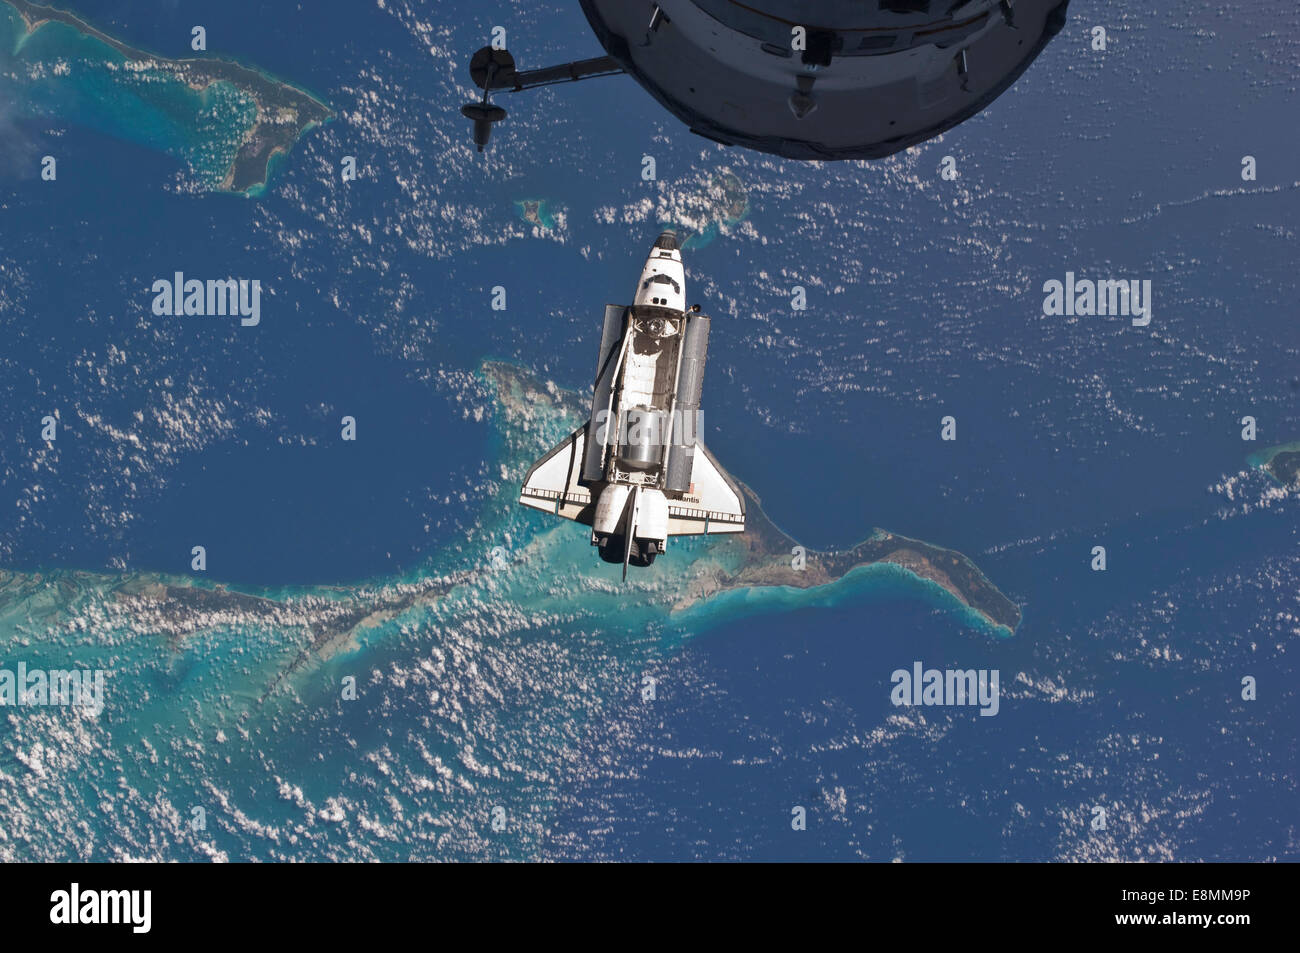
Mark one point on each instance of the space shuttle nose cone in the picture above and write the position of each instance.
(667, 240)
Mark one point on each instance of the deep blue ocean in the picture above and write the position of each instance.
(1120, 688)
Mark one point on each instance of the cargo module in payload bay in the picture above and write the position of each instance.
(805, 79)
(637, 472)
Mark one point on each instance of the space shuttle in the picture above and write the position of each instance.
(637, 471)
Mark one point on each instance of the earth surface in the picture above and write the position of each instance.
(509, 698)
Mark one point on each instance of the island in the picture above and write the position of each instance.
(720, 204)
(508, 563)
(536, 212)
(763, 556)
(1282, 463)
(770, 563)
(735, 198)
(283, 113)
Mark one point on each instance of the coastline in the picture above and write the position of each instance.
(715, 579)
(284, 112)
(762, 557)
(1281, 463)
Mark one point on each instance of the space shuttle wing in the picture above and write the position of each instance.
(552, 484)
(714, 503)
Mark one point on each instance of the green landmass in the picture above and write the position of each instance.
(726, 202)
(284, 113)
(763, 555)
(1282, 463)
(546, 570)
(735, 198)
(536, 212)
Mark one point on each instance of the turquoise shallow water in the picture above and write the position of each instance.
(65, 75)
(480, 698)
(1261, 457)
(863, 586)
(521, 684)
